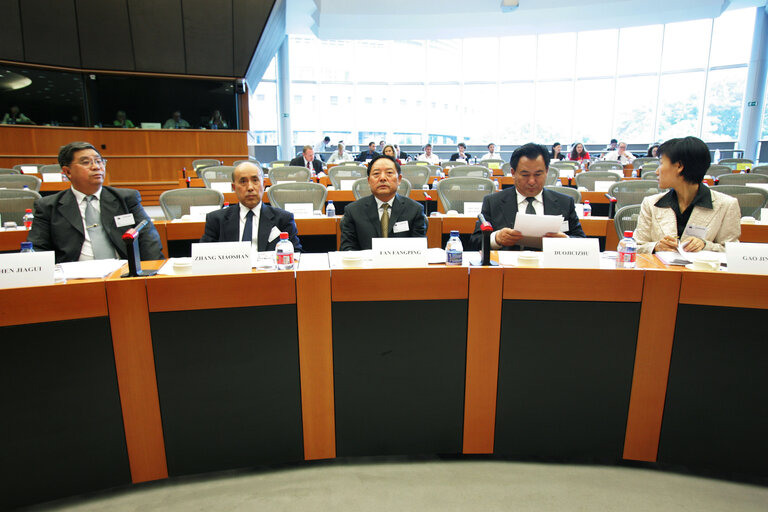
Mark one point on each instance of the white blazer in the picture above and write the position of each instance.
(723, 222)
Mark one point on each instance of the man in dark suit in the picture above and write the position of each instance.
(251, 219)
(462, 155)
(308, 160)
(383, 212)
(528, 165)
(87, 221)
(368, 154)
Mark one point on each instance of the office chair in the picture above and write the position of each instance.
(568, 191)
(553, 175)
(588, 179)
(718, 170)
(216, 173)
(606, 166)
(19, 166)
(643, 160)
(649, 175)
(633, 192)
(19, 181)
(14, 202)
(751, 199)
(298, 192)
(741, 179)
(360, 188)
(288, 173)
(455, 191)
(9, 171)
(474, 171)
(760, 169)
(626, 219)
(52, 169)
(732, 163)
(252, 161)
(279, 163)
(345, 173)
(176, 202)
(197, 165)
(417, 175)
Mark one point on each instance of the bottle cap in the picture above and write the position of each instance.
(28, 210)
(330, 201)
(586, 201)
(454, 232)
(628, 234)
(26, 245)
(283, 236)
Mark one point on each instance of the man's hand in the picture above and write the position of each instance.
(555, 235)
(668, 243)
(508, 236)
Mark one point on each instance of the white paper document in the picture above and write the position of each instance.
(533, 227)
(93, 269)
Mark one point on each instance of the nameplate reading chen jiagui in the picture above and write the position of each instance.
(27, 269)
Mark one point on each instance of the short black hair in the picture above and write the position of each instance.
(462, 145)
(427, 145)
(491, 144)
(327, 139)
(532, 151)
(690, 152)
(614, 141)
(379, 157)
(67, 153)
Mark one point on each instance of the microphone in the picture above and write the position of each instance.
(485, 246)
(132, 233)
(484, 224)
(131, 239)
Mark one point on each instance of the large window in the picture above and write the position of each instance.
(640, 84)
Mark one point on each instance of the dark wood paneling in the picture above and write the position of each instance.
(208, 36)
(50, 32)
(248, 20)
(158, 38)
(11, 47)
(100, 50)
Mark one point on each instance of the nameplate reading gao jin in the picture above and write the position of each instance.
(26, 269)
(399, 252)
(221, 258)
(571, 252)
(745, 258)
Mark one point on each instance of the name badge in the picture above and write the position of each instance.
(275, 233)
(221, 258)
(27, 269)
(697, 231)
(399, 252)
(401, 226)
(564, 227)
(124, 220)
(571, 252)
(747, 258)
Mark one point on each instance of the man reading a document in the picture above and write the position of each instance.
(528, 165)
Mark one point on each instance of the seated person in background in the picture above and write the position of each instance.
(217, 122)
(691, 212)
(176, 122)
(556, 153)
(323, 146)
(653, 151)
(428, 156)
(529, 164)
(16, 117)
(380, 147)
(492, 154)
(400, 155)
(621, 154)
(611, 146)
(87, 220)
(385, 213)
(462, 155)
(308, 160)
(340, 156)
(122, 121)
(578, 153)
(368, 154)
(250, 220)
(389, 150)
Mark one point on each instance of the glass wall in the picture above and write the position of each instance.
(639, 84)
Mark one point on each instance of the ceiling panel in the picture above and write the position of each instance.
(11, 46)
(49, 30)
(249, 19)
(158, 37)
(105, 34)
(208, 37)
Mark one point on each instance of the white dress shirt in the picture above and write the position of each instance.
(335, 158)
(380, 209)
(86, 252)
(491, 156)
(625, 158)
(522, 205)
(432, 159)
(254, 227)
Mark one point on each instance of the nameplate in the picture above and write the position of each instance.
(747, 258)
(27, 269)
(399, 252)
(763, 215)
(494, 165)
(571, 252)
(300, 210)
(603, 186)
(579, 210)
(52, 177)
(203, 210)
(472, 208)
(343, 174)
(278, 164)
(221, 258)
(28, 169)
(346, 184)
(224, 187)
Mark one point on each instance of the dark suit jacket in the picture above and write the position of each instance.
(500, 209)
(58, 225)
(366, 155)
(299, 160)
(455, 157)
(224, 226)
(361, 222)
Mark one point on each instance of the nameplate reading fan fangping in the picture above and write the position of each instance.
(399, 252)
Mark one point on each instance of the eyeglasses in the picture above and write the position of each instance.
(88, 162)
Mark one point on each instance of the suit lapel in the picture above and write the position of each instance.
(111, 207)
(230, 229)
(69, 209)
(266, 221)
(373, 216)
(702, 216)
(508, 208)
(551, 203)
(398, 208)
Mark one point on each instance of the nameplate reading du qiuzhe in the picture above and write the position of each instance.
(221, 258)
(399, 252)
(747, 258)
(571, 252)
(27, 269)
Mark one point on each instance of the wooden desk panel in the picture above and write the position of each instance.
(620, 285)
(79, 299)
(400, 284)
(724, 289)
(11, 240)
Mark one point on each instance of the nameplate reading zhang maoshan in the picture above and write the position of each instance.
(27, 269)
(221, 258)
(744, 258)
(399, 252)
(571, 252)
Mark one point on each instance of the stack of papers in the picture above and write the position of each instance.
(94, 269)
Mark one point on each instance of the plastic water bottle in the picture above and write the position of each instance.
(25, 187)
(627, 250)
(27, 247)
(28, 218)
(454, 250)
(330, 210)
(587, 208)
(284, 253)
(434, 183)
(634, 173)
(496, 185)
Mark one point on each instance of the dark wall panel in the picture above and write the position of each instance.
(208, 37)
(158, 37)
(50, 32)
(11, 47)
(105, 35)
(249, 19)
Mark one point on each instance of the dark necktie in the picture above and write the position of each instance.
(385, 221)
(309, 165)
(530, 210)
(248, 229)
(102, 247)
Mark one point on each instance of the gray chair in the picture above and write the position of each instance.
(288, 173)
(360, 188)
(52, 169)
(633, 192)
(14, 203)
(568, 191)
(751, 199)
(650, 166)
(433, 169)
(565, 165)
(279, 163)
(733, 163)
(19, 166)
(20, 181)
(506, 169)
(604, 165)
(454, 192)
(626, 219)
(216, 173)
(346, 173)
(487, 163)
(741, 179)
(718, 170)
(9, 171)
(417, 175)
(588, 179)
(473, 171)
(553, 175)
(450, 164)
(252, 161)
(760, 169)
(643, 160)
(298, 192)
(649, 175)
(204, 162)
(176, 202)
